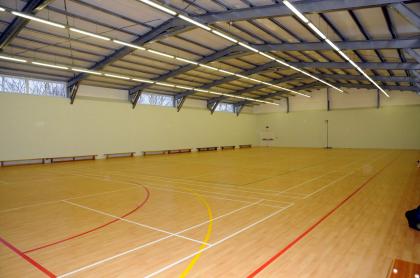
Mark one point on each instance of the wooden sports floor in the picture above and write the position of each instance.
(264, 212)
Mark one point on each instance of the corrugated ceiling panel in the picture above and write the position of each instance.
(235, 32)
(256, 31)
(205, 38)
(373, 21)
(403, 28)
(294, 26)
(345, 25)
(184, 44)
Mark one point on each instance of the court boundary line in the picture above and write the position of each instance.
(72, 198)
(307, 195)
(188, 191)
(139, 206)
(27, 258)
(134, 222)
(313, 226)
(218, 242)
(154, 241)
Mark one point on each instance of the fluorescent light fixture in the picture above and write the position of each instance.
(12, 59)
(161, 53)
(332, 45)
(208, 67)
(267, 56)
(201, 90)
(255, 80)
(164, 84)
(86, 71)
(143, 80)
(196, 23)
(129, 45)
(241, 76)
(186, 60)
(2, 9)
(89, 34)
(184, 87)
(38, 19)
(224, 36)
(320, 34)
(248, 47)
(50, 65)
(227, 72)
(283, 63)
(158, 6)
(313, 27)
(216, 93)
(295, 11)
(117, 76)
(344, 55)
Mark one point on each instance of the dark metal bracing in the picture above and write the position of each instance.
(392, 59)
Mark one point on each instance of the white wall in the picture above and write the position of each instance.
(102, 121)
(33, 126)
(354, 121)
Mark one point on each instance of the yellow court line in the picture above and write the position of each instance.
(205, 240)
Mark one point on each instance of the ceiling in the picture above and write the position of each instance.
(382, 37)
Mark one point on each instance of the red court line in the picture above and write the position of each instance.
(93, 229)
(305, 233)
(27, 258)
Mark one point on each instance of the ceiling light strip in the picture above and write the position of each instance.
(112, 75)
(335, 47)
(174, 57)
(222, 35)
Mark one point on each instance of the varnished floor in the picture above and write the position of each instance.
(268, 212)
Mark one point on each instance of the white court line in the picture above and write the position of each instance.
(208, 184)
(329, 184)
(153, 242)
(169, 188)
(323, 175)
(73, 198)
(216, 243)
(158, 187)
(136, 223)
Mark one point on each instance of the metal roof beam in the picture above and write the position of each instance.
(213, 57)
(31, 7)
(168, 28)
(261, 86)
(407, 13)
(305, 6)
(362, 78)
(367, 65)
(232, 77)
(347, 45)
(356, 86)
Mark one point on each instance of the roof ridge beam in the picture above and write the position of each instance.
(347, 45)
(277, 10)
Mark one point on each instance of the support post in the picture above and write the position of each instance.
(179, 102)
(287, 105)
(237, 108)
(328, 100)
(211, 105)
(378, 99)
(134, 97)
(72, 91)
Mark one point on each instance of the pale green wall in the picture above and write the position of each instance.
(396, 127)
(33, 126)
